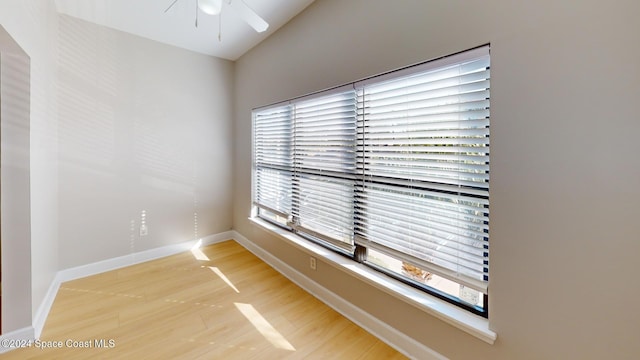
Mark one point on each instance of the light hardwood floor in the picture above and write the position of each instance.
(220, 303)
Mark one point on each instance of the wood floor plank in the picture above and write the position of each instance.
(220, 302)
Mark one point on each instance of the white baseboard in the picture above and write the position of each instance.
(22, 334)
(43, 310)
(394, 338)
(113, 264)
(137, 258)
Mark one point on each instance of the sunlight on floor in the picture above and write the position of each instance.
(263, 326)
(224, 278)
(197, 253)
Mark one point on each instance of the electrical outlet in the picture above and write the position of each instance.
(312, 263)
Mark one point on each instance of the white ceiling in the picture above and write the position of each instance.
(147, 18)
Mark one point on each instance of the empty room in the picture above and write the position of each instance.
(319, 179)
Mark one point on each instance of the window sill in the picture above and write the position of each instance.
(451, 314)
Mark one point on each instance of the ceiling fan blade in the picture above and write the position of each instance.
(247, 14)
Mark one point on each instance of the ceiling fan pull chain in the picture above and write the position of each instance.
(220, 27)
(170, 6)
(196, 13)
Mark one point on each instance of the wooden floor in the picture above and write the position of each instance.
(218, 303)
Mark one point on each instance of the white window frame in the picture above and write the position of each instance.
(357, 241)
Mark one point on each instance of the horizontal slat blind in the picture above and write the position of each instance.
(424, 140)
(325, 133)
(398, 163)
(273, 154)
(325, 165)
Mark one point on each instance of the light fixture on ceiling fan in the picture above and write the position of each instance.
(214, 7)
(211, 7)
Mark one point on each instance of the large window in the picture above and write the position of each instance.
(392, 171)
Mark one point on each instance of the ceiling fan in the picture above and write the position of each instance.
(214, 7)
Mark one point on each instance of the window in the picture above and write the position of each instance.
(392, 171)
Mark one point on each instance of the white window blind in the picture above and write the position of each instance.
(324, 158)
(424, 140)
(398, 163)
(273, 151)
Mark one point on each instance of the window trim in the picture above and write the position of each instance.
(453, 315)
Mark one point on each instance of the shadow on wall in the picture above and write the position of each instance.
(127, 158)
(110, 125)
(15, 196)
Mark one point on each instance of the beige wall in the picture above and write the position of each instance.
(33, 25)
(564, 167)
(143, 127)
(15, 182)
